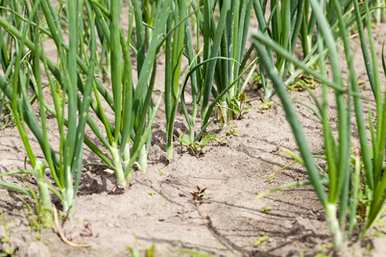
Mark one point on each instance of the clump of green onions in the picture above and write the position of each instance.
(216, 49)
(174, 50)
(29, 64)
(127, 138)
(340, 195)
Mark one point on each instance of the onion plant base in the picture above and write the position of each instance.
(119, 172)
(333, 224)
(45, 207)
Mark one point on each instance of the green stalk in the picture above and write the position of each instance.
(195, 79)
(85, 105)
(116, 63)
(215, 49)
(173, 57)
(343, 145)
(355, 195)
(294, 123)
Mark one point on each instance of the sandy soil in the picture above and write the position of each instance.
(231, 218)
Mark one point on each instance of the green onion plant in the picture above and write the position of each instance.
(292, 25)
(218, 56)
(174, 50)
(24, 78)
(125, 136)
(346, 181)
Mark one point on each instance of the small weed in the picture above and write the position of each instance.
(266, 105)
(266, 209)
(232, 131)
(149, 252)
(7, 249)
(5, 115)
(302, 84)
(261, 240)
(198, 195)
(192, 253)
(197, 148)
